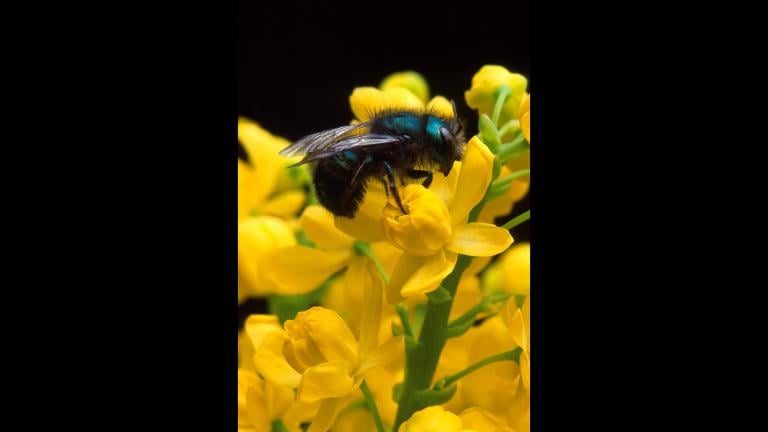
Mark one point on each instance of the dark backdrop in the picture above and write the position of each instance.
(297, 64)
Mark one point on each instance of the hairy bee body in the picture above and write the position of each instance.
(392, 145)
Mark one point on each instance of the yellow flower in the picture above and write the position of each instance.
(261, 401)
(260, 179)
(525, 117)
(318, 353)
(258, 238)
(484, 91)
(481, 420)
(297, 269)
(494, 386)
(512, 273)
(435, 230)
(410, 80)
(433, 419)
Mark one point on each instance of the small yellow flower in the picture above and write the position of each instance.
(260, 180)
(525, 117)
(433, 419)
(512, 273)
(258, 238)
(413, 81)
(435, 230)
(484, 91)
(323, 357)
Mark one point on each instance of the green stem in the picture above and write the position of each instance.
(507, 126)
(503, 93)
(403, 313)
(505, 356)
(517, 220)
(372, 406)
(423, 355)
(363, 248)
(480, 307)
(514, 175)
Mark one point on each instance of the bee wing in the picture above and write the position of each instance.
(321, 141)
(352, 142)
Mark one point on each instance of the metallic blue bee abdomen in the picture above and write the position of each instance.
(433, 128)
(407, 123)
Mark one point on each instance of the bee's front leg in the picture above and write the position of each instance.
(393, 186)
(421, 174)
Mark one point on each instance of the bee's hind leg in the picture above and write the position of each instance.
(420, 174)
(393, 186)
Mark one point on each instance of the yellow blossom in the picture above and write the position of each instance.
(258, 238)
(260, 401)
(511, 273)
(492, 387)
(318, 352)
(435, 230)
(259, 180)
(413, 81)
(525, 117)
(481, 420)
(484, 91)
(433, 419)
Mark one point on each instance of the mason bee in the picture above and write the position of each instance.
(392, 144)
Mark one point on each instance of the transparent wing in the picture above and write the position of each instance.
(352, 142)
(321, 141)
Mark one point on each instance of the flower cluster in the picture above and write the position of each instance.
(390, 321)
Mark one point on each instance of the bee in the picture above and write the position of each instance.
(395, 143)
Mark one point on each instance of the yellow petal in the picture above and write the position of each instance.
(332, 336)
(299, 269)
(373, 287)
(525, 370)
(475, 175)
(326, 415)
(516, 268)
(271, 363)
(411, 80)
(258, 326)
(366, 225)
(479, 239)
(441, 107)
(367, 101)
(318, 224)
(419, 275)
(326, 380)
(385, 353)
(480, 420)
(425, 229)
(250, 194)
(285, 205)
(432, 419)
(445, 187)
(258, 237)
(485, 84)
(525, 117)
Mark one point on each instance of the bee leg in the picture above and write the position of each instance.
(393, 186)
(420, 174)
